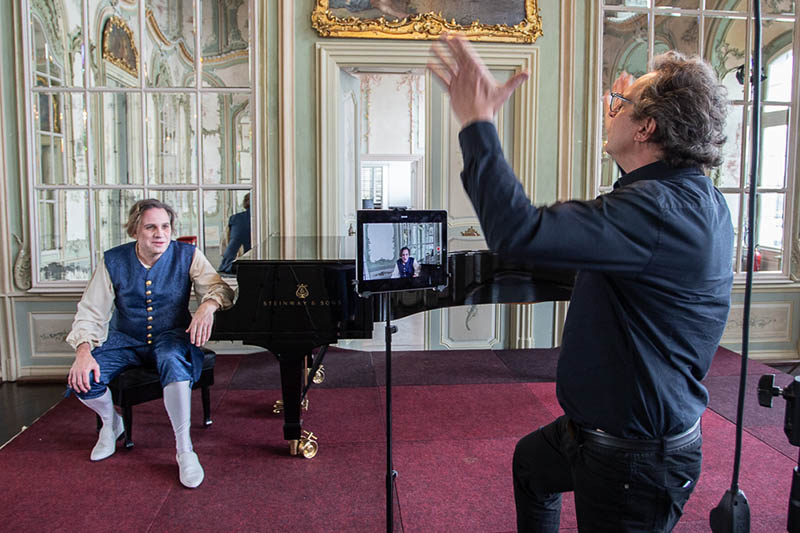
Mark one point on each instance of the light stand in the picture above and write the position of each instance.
(391, 473)
(376, 228)
(732, 515)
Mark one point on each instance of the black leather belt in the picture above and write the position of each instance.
(641, 445)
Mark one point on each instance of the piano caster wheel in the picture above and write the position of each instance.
(319, 375)
(307, 445)
(277, 407)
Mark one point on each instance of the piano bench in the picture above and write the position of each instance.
(141, 384)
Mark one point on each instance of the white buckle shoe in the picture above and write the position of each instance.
(190, 472)
(107, 440)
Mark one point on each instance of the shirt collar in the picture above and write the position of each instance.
(654, 171)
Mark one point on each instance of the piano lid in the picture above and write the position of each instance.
(314, 247)
(302, 247)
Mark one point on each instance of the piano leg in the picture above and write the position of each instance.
(293, 375)
(292, 387)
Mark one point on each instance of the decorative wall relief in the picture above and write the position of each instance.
(472, 313)
(48, 331)
(476, 327)
(515, 21)
(22, 265)
(768, 322)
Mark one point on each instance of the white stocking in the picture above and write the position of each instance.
(104, 407)
(178, 402)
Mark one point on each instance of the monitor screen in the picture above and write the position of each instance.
(400, 250)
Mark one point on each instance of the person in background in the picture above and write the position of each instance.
(650, 300)
(135, 311)
(238, 236)
(405, 267)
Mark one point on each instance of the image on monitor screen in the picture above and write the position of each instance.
(401, 250)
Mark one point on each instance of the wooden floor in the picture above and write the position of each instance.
(22, 403)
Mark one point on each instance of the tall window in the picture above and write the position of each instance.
(372, 186)
(721, 31)
(133, 99)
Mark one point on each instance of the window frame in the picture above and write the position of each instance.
(790, 240)
(90, 90)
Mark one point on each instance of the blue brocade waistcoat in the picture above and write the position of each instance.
(151, 302)
(407, 270)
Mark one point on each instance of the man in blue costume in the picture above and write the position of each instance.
(650, 301)
(136, 309)
(238, 236)
(405, 267)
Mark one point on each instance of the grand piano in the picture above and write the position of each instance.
(292, 307)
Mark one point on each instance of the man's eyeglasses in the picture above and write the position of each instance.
(616, 102)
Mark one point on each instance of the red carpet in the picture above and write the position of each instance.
(457, 416)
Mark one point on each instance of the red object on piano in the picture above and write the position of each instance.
(190, 239)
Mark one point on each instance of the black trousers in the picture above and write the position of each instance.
(615, 490)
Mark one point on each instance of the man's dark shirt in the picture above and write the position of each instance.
(652, 294)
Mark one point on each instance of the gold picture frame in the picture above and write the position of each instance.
(119, 46)
(336, 22)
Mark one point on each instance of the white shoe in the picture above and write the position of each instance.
(107, 440)
(190, 471)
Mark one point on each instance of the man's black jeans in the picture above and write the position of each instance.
(615, 490)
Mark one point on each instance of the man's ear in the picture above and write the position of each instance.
(646, 129)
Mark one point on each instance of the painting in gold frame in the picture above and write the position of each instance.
(515, 21)
(119, 46)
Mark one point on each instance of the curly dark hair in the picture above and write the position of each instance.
(137, 210)
(689, 106)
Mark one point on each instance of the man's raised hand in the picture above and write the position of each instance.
(475, 94)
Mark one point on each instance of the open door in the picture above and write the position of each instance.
(349, 163)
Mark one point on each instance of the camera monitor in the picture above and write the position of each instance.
(400, 250)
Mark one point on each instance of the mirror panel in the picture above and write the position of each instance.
(778, 7)
(684, 4)
(628, 3)
(186, 209)
(681, 33)
(169, 43)
(171, 143)
(624, 45)
(111, 214)
(729, 173)
(56, 35)
(225, 43)
(218, 207)
(114, 44)
(724, 48)
(63, 253)
(60, 133)
(227, 136)
(728, 5)
(118, 137)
